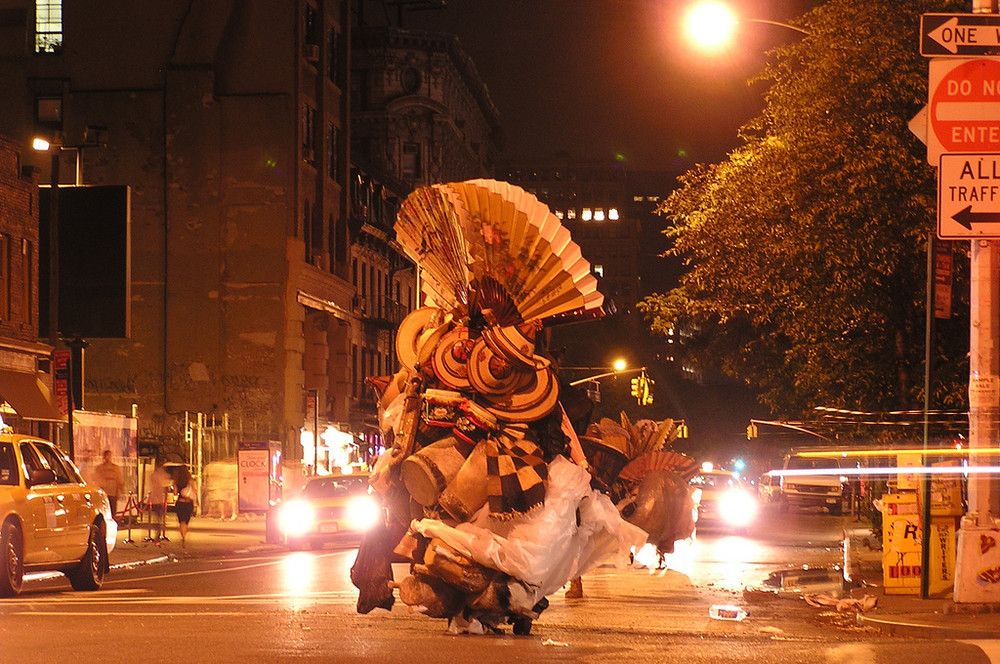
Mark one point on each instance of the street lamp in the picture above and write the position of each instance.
(711, 25)
(92, 139)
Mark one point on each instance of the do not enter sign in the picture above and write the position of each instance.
(964, 108)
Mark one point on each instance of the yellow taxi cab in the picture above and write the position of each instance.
(722, 500)
(329, 508)
(50, 518)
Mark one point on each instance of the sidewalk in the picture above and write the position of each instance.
(207, 537)
(909, 615)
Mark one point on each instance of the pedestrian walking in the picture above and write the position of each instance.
(187, 501)
(109, 478)
(159, 484)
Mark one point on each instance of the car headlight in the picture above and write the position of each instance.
(297, 518)
(363, 512)
(737, 508)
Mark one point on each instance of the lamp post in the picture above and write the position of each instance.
(55, 147)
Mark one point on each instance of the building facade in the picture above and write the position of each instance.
(25, 375)
(265, 279)
(419, 114)
(228, 121)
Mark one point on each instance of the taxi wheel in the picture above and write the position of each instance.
(89, 573)
(11, 560)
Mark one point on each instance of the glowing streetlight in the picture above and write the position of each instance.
(619, 365)
(711, 25)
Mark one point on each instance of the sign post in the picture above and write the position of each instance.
(964, 134)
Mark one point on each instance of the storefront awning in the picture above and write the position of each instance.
(28, 395)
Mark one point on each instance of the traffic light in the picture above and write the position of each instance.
(751, 431)
(682, 431)
(636, 389)
(647, 391)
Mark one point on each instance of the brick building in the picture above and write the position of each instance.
(25, 377)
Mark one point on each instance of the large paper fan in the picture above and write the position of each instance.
(498, 238)
(429, 230)
(515, 239)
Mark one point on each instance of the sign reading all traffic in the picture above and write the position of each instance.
(964, 106)
(963, 35)
(969, 196)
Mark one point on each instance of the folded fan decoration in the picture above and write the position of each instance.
(482, 235)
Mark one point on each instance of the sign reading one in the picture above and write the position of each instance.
(969, 196)
(959, 34)
(964, 106)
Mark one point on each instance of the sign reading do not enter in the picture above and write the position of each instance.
(964, 108)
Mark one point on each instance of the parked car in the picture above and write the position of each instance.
(722, 500)
(50, 518)
(769, 489)
(329, 508)
(801, 488)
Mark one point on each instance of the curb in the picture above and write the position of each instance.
(912, 627)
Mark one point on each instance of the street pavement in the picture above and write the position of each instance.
(906, 615)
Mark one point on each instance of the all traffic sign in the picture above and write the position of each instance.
(964, 106)
(943, 35)
(969, 196)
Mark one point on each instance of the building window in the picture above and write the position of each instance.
(571, 213)
(560, 214)
(5, 284)
(598, 270)
(311, 25)
(587, 214)
(354, 273)
(355, 376)
(334, 153)
(331, 57)
(410, 80)
(309, 134)
(48, 26)
(613, 214)
(411, 160)
(28, 281)
(599, 214)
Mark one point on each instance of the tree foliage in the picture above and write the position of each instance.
(806, 247)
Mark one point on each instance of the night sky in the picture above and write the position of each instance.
(602, 78)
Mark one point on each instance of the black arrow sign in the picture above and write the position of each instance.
(967, 217)
(959, 34)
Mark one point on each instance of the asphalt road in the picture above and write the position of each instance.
(299, 607)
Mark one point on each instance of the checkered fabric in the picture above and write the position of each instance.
(515, 476)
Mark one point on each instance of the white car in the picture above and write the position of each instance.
(50, 518)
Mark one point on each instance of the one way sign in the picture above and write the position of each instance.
(960, 35)
(969, 196)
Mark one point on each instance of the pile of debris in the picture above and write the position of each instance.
(490, 496)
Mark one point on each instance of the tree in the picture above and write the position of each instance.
(806, 247)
